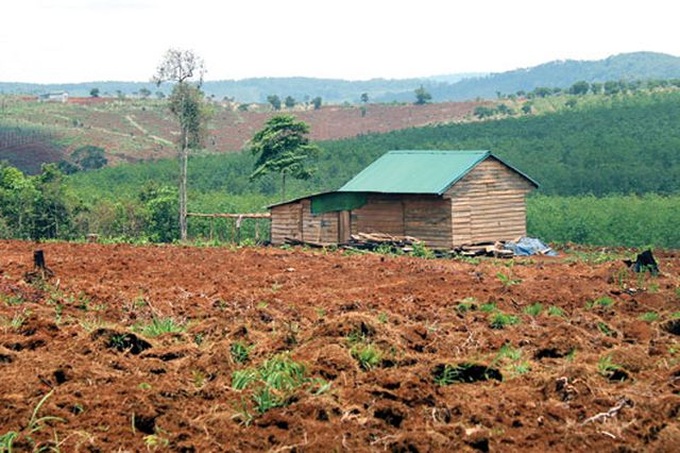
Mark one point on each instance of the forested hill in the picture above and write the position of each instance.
(455, 87)
(563, 74)
(620, 145)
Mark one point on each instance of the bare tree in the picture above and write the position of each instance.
(186, 70)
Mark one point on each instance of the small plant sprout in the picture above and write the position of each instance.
(600, 302)
(160, 326)
(555, 311)
(467, 304)
(270, 385)
(198, 378)
(534, 309)
(7, 441)
(512, 360)
(421, 251)
(612, 371)
(240, 352)
(605, 329)
(382, 317)
(368, 355)
(507, 281)
(489, 307)
(649, 316)
(502, 320)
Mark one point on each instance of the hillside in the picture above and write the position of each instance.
(444, 88)
(135, 130)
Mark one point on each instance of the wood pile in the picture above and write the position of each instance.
(373, 241)
(404, 244)
(495, 249)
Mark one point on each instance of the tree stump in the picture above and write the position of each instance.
(40, 270)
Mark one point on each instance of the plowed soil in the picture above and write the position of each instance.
(457, 355)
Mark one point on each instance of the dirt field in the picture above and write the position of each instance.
(297, 350)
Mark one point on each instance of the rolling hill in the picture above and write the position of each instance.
(452, 87)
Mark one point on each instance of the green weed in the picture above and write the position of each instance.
(11, 300)
(600, 302)
(534, 309)
(272, 384)
(489, 307)
(240, 352)
(368, 355)
(606, 367)
(512, 360)
(507, 281)
(467, 304)
(555, 311)
(240, 379)
(605, 329)
(502, 320)
(451, 374)
(649, 316)
(156, 440)
(421, 251)
(15, 322)
(7, 441)
(160, 326)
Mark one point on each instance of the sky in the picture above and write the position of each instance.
(72, 41)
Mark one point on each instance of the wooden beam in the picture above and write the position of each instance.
(251, 215)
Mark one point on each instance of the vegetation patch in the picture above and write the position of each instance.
(464, 373)
(122, 341)
(273, 384)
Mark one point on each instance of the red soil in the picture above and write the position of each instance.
(75, 342)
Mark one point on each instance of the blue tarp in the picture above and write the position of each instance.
(529, 246)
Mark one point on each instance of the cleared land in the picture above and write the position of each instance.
(397, 353)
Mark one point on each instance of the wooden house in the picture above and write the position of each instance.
(444, 198)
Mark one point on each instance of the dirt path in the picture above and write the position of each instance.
(396, 353)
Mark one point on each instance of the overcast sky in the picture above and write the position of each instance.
(57, 41)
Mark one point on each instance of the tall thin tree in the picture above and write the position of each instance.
(186, 70)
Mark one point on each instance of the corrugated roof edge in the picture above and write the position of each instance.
(281, 203)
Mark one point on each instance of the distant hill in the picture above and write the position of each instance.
(454, 87)
(563, 74)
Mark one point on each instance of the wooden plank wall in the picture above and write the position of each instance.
(428, 218)
(319, 228)
(380, 214)
(295, 220)
(286, 221)
(488, 204)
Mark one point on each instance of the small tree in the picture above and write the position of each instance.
(89, 157)
(316, 102)
(289, 102)
(580, 88)
(94, 92)
(422, 96)
(187, 104)
(144, 92)
(283, 147)
(275, 101)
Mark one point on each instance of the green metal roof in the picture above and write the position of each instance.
(423, 172)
